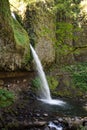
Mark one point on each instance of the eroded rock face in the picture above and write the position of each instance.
(10, 61)
(81, 43)
(14, 41)
(13, 54)
(40, 24)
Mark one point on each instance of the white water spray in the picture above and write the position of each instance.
(52, 125)
(45, 95)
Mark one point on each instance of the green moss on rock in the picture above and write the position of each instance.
(22, 39)
(42, 34)
(6, 98)
(53, 83)
(14, 41)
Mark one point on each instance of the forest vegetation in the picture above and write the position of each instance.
(57, 28)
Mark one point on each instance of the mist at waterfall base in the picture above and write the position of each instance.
(45, 95)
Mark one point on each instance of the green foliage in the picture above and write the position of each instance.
(69, 8)
(67, 25)
(65, 34)
(4, 9)
(20, 34)
(82, 128)
(53, 82)
(6, 98)
(36, 82)
(79, 75)
(21, 38)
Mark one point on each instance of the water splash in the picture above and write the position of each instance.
(13, 15)
(52, 125)
(45, 91)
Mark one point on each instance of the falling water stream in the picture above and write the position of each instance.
(45, 91)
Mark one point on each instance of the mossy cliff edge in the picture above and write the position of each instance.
(39, 20)
(14, 41)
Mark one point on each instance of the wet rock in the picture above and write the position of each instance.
(56, 121)
(40, 123)
(85, 106)
(20, 118)
(38, 114)
(76, 123)
(1, 125)
(9, 119)
(1, 83)
(85, 96)
(45, 115)
(33, 124)
(24, 80)
(18, 81)
(84, 123)
(46, 128)
(41, 118)
(8, 86)
(60, 119)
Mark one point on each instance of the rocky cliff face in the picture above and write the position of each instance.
(76, 48)
(14, 53)
(81, 44)
(40, 24)
(39, 21)
(14, 41)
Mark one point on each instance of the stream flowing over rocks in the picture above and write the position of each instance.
(27, 113)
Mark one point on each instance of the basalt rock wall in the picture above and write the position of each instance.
(14, 41)
(39, 22)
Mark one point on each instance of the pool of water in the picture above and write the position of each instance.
(69, 108)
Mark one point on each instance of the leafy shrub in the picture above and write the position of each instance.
(79, 75)
(36, 82)
(52, 82)
(6, 98)
(82, 128)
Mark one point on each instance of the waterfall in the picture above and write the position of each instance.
(44, 84)
(45, 91)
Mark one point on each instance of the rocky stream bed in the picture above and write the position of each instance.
(28, 113)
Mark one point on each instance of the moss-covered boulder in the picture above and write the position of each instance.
(39, 21)
(14, 41)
